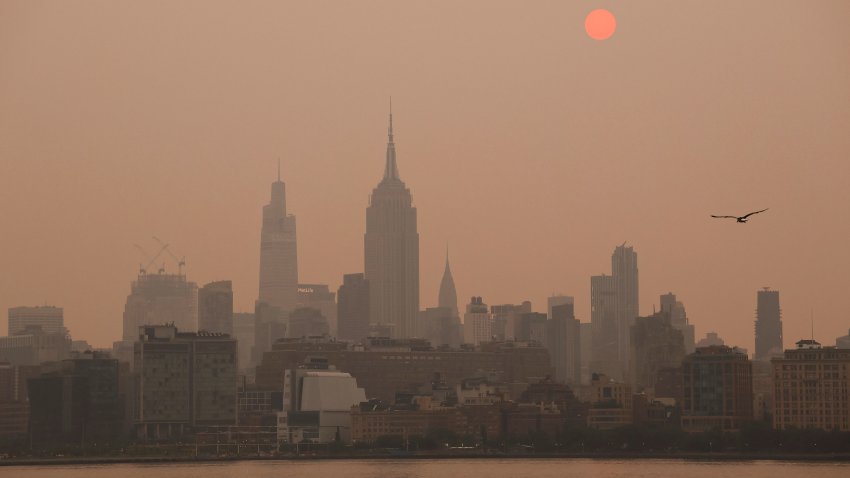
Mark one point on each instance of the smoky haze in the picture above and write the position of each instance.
(529, 148)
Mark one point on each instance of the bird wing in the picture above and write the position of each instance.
(724, 217)
(756, 212)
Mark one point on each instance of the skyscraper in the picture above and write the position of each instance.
(768, 324)
(391, 250)
(604, 356)
(448, 294)
(278, 252)
(215, 307)
(624, 270)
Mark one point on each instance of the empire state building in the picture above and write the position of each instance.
(392, 251)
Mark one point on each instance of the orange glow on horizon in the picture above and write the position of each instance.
(600, 24)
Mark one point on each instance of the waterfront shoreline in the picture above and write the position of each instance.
(837, 458)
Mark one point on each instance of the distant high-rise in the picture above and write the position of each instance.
(506, 319)
(614, 308)
(448, 294)
(391, 251)
(215, 307)
(477, 323)
(353, 308)
(768, 325)
(563, 340)
(243, 332)
(161, 298)
(604, 356)
(50, 319)
(679, 318)
(278, 252)
(624, 271)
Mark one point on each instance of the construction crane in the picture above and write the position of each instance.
(181, 262)
(151, 259)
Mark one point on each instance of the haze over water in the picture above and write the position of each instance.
(489, 468)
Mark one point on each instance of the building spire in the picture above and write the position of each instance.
(391, 169)
(448, 294)
(278, 169)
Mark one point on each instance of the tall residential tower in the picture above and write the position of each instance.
(391, 250)
(768, 325)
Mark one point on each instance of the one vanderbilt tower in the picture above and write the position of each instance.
(278, 252)
(392, 251)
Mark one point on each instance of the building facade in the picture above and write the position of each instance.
(185, 380)
(477, 324)
(812, 387)
(717, 389)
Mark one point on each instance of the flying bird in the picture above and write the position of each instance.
(741, 219)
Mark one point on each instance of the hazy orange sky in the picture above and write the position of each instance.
(530, 148)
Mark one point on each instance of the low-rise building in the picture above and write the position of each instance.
(317, 406)
(717, 389)
(611, 403)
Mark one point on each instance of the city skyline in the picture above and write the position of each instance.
(537, 174)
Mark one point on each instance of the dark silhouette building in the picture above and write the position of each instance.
(215, 307)
(563, 340)
(307, 322)
(353, 308)
(77, 400)
(768, 326)
(655, 345)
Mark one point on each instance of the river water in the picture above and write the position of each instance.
(456, 468)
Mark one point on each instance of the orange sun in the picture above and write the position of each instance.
(600, 24)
